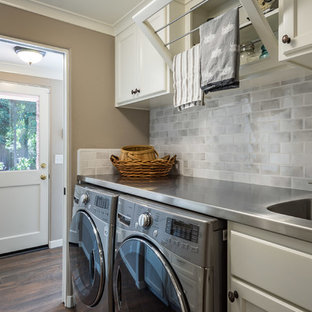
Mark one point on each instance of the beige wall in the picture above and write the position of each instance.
(95, 121)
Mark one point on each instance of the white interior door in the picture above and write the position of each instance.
(24, 173)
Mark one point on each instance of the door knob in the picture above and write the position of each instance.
(43, 177)
(43, 165)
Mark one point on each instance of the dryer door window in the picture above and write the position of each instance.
(86, 259)
(144, 280)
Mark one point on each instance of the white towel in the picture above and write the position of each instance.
(186, 79)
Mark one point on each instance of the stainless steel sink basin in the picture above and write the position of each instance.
(301, 208)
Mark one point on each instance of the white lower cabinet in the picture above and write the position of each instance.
(252, 299)
(267, 271)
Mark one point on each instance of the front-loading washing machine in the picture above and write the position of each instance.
(168, 259)
(91, 239)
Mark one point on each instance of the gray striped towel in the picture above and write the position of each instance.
(186, 79)
(219, 52)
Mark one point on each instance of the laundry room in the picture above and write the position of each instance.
(156, 155)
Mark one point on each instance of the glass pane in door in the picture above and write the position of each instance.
(19, 133)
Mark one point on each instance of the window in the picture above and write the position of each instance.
(19, 132)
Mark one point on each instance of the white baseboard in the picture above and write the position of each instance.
(56, 243)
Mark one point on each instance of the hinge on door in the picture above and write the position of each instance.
(64, 190)
(225, 235)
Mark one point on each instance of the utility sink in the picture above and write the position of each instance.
(301, 208)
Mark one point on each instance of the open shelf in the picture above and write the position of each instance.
(247, 31)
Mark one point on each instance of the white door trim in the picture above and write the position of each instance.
(56, 243)
(67, 290)
(67, 204)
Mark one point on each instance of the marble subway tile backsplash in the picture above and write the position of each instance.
(260, 135)
(95, 161)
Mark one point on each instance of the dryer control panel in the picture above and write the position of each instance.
(97, 202)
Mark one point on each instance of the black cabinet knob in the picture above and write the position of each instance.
(232, 295)
(235, 294)
(286, 39)
(135, 91)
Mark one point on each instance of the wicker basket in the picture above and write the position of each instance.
(138, 152)
(144, 168)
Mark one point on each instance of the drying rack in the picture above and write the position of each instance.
(255, 14)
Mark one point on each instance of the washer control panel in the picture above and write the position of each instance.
(183, 232)
(145, 220)
(178, 228)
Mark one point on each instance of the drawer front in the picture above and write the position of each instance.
(282, 271)
(251, 299)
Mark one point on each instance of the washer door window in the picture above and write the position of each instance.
(144, 280)
(86, 259)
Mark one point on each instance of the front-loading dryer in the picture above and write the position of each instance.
(168, 259)
(91, 239)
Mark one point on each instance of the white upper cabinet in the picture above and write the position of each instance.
(126, 65)
(295, 31)
(153, 74)
(141, 72)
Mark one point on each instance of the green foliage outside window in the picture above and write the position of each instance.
(18, 135)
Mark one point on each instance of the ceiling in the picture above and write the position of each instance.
(106, 11)
(99, 15)
(51, 66)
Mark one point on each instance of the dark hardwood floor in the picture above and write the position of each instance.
(32, 282)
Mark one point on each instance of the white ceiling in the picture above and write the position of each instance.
(99, 15)
(106, 11)
(51, 66)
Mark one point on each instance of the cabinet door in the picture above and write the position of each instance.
(126, 65)
(296, 23)
(280, 270)
(251, 299)
(153, 69)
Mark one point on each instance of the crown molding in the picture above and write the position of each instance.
(61, 15)
(126, 21)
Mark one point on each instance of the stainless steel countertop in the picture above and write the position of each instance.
(238, 202)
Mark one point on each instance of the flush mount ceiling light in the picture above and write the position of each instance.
(29, 56)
